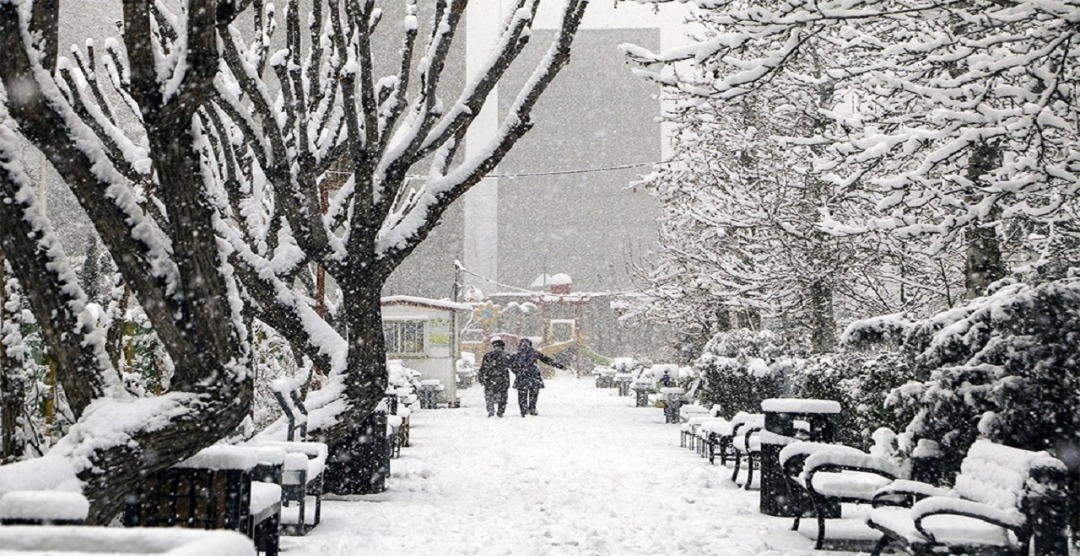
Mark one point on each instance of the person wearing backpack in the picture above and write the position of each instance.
(527, 378)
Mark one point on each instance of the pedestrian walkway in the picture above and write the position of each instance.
(590, 475)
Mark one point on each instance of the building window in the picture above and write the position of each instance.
(404, 336)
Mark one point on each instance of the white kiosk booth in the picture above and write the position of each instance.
(422, 333)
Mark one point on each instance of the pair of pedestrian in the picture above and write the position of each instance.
(495, 372)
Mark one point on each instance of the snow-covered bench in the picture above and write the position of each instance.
(746, 445)
(397, 419)
(721, 434)
(821, 476)
(693, 416)
(715, 439)
(43, 507)
(301, 484)
(217, 488)
(1005, 500)
(99, 541)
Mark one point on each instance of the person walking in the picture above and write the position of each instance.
(494, 376)
(527, 378)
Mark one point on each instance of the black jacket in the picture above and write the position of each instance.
(495, 370)
(527, 374)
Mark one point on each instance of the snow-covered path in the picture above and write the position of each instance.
(590, 475)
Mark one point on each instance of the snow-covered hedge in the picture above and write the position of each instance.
(1006, 367)
(739, 369)
(862, 383)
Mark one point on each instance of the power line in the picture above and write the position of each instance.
(558, 172)
(578, 171)
(462, 268)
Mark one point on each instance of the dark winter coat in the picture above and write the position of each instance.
(495, 370)
(523, 364)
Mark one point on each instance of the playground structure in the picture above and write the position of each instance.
(557, 337)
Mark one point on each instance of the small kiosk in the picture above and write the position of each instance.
(421, 332)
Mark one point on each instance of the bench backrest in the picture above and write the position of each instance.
(287, 393)
(998, 475)
(192, 498)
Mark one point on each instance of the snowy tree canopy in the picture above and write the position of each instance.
(955, 117)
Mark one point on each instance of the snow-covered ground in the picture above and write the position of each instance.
(590, 475)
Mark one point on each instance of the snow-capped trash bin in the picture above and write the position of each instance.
(673, 400)
(641, 387)
(605, 377)
(780, 417)
(429, 393)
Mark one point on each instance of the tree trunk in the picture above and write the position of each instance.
(822, 321)
(983, 263)
(12, 387)
(365, 385)
(114, 472)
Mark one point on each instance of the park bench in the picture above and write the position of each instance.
(746, 445)
(397, 419)
(820, 477)
(693, 417)
(301, 484)
(217, 488)
(43, 507)
(720, 434)
(1005, 501)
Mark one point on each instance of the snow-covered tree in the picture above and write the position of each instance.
(744, 198)
(959, 118)
(319, 154)
(147, 198)
(198, 152)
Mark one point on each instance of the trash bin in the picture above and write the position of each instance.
(780, 416)
(429, 393)
(641, 387)
(622, 380)
(673, 400)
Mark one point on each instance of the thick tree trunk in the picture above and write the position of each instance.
(365, 385)
(206, 416)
